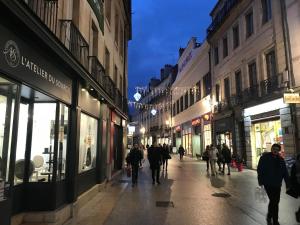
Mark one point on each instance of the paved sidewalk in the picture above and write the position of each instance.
(198, 199)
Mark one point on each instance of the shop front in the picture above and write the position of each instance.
(178, 139)
(116, 142)
(35, 103)
(265, 125)
(196, 138)
(223, 132)
(206, 121)
(187, 138)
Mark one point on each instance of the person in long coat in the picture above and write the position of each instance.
(181, 152)
(134, 159)
(165, 156)
(295, 181)
(154, 157)
(226, 158)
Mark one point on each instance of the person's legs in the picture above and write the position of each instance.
(157, 175)
(228, 166)
(167, 164)
(163, 162)
(223, 171)
(273, 208)
(207, 165)
(153, 175)
(134, 174)
(212, 166)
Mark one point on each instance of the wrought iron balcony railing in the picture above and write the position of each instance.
(74, 41)
(109, 87)
(119, 99)
(250, 93)
(97, 70)
(46, 10)
(271, 85)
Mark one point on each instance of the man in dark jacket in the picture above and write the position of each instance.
(271, 171)
(134, 159)
(154, 157)
(226, 155)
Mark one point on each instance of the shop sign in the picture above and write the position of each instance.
(291, 98)
(206, 117)
(196, 122)
(28, 64)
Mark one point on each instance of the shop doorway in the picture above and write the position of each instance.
(263, 136)
(8, 101)
(225, 138)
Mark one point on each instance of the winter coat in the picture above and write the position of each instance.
(154, 157)
(272, 170)
(181, 150)
(134, 156)
(165, 152)
(226, 155)
(213, 154)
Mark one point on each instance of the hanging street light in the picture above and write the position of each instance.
(137, 96)
(153, 112)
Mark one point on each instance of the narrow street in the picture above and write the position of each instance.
(197, 197)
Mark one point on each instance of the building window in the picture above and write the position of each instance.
(266, 10)
(186, 100)
(178, 107)
(225, 47)
(174, 109)
(238, 82)
(236, 36)
(95, 40)
(217, 92)
(88, 143)
(121, 85)
(227, 89)
(116, 28)
(207, 84)
(198, 91)
(249, 24)
(181, 103)
(107, 60)
(192, 96)
(271, 64)
(252, 75)
(216, 55)
(108, 10)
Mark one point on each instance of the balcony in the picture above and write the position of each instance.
(119, 99)
(250, 93)
(46, 10)
(97, 70)
(271, 85)
(221, 16)
(109, 87)
(71, 37)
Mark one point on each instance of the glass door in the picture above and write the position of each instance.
(8, 92)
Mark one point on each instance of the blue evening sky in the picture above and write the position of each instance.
(159, 29)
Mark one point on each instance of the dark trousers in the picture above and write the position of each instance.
(155, 174)
(165, 163)
(135, 172)
(274, 197)
(228, 166)
(207, 165)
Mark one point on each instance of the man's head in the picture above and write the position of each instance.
(136, 145)
(275, 149)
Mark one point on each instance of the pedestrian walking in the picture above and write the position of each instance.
(295, 182)
(205, 157)
(271, 171)
(226, 158)
(181, 152)
(134, 158)
(213, 159)
(142, 149)
(165, 156)
(220, 158)
(154, 157)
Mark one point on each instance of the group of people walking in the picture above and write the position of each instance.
(157, 155)
(220, 155)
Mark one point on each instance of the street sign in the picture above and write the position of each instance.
(291, 98)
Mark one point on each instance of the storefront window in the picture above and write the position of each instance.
(207, 134)
(7, 104)
(62, 141)
(265, 135)
(88, 143)
(42, 145)
(21, 144)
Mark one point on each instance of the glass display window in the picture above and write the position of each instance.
(264, 135)
(88, 143)
(207, 134)
(225, 138)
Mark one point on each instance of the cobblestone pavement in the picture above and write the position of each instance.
(195, 199)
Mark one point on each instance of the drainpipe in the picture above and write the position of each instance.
(289, 68)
